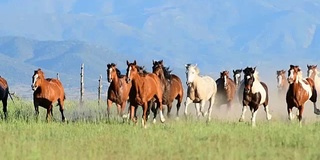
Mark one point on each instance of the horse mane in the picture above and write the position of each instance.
(142, 71)
(167, 72)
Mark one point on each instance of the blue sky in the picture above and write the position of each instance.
(220, 34)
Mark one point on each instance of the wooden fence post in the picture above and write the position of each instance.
(99, 89)
(81, 84)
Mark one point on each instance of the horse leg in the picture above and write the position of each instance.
(49, 110)
(123, 107)
(144, 116)
(268, 115)
(202, 104)
(244, 109)
(290, 115)
(301, 108)
(253, 118)
(36, 108)
(109, 103)
(159, 105)
(178, 106)
(315, 109)
(133, 115)
(4, 103)
(210, 108)
(169, 106)
(197, 106)
(186, 104)
(61, 108)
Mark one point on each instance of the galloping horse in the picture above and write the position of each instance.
(118, 91)
(226, 90)
(237, 76)
(4, 92)
(282, 83)
(255, 93)
(313, 74)
(200, 90)
(300, 90)
(46, 92)
(146, 87)
(171, 86)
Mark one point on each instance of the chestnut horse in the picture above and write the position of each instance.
(226, 90)
(118, 91)
(282, 83)
(300, 90)
(255, 93)
(145, 87)
(237, 76)
(313, 74)
(4, 92)
(46, 92)
(200, 90)
(171, 86)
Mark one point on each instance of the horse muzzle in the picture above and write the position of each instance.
(34, 87)
(109, 80)
(128, 80)
(290, 80)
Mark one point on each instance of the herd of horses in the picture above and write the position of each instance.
(152, 90)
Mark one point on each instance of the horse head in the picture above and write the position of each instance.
(249, 77)
(157, 67)
(132, 70)
(237, 76)
(191, 72)
(225, 76)
(280, 76)
(112, 72)
(312, 71)
(294, 73)
(37, 79)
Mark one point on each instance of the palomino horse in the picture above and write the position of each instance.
(313, 74)
(146, 87)
(118, 91)
(226, 90)
(46, 92)
(237, 76)
(282, 83)
(171, 86)
(200, 90)
(4, 92)
(255, 93)
(300, 90)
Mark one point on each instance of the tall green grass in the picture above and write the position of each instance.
(88, 135)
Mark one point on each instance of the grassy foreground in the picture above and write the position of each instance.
(91, 137)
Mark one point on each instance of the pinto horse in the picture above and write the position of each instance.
(300, 90)
(171, 86)
(4, 92)
(226, 90)
(146, 87)
(118, 91)
(255, 93)
(46, 92)
(313, 74)
(237, 76)
(200, 90)
(282, 83)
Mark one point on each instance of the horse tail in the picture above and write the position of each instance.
(10, 95)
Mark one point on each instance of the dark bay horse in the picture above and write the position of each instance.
(46, 92)
(282, 83)
(226, 90)
(300, 90)
(237, 76)
(118, 91)
(255, 93)
(4, 92)
(171, 86)
(145, 87)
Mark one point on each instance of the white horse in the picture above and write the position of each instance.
(200, 90)
(253, 93)
(313, 74)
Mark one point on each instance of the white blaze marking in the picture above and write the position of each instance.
(35, 77)
(279, 80)
(129, 71)
(225, 81)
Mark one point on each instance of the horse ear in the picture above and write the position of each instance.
(134, 62)
(153, 62)
(308, 66)
(161, 62)
(108, 65)
(233, 71)
(316, 66)
(128, 62)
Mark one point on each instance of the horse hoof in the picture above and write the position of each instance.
(162, 120)
(317, 112)
(241, 120)
(269, 117)
(154, 121)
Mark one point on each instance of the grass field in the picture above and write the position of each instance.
(88, 135)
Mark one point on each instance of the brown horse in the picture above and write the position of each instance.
(237, 76)
(118, 91)
(171, 86)
(4, 92)
(146, 87)
(46, 92)
(300, 90)
(282, 83)
(226, 90)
